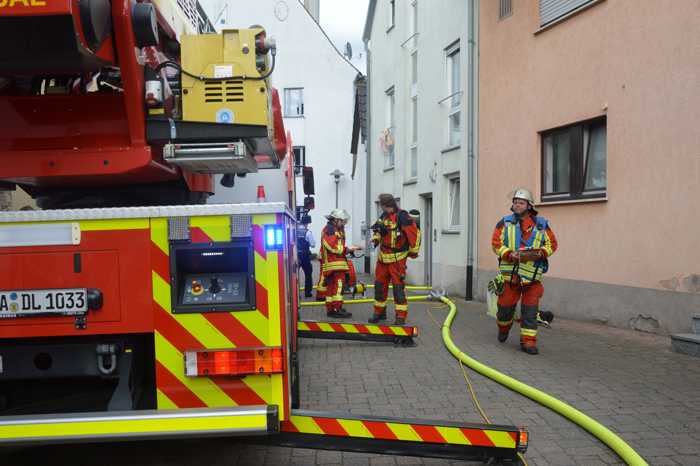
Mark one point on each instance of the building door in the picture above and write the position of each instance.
(427, 232)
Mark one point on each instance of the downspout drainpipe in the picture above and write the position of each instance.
(471, 145)
(368, 166)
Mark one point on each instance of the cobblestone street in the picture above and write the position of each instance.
(629, 381)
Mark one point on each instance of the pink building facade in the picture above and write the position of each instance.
(595, 107)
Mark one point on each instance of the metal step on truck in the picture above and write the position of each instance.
(129, 309)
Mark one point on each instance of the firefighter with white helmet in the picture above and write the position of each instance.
(334, 262)
(523, 242)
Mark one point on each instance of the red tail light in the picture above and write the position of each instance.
(236, 362)
(523, 439)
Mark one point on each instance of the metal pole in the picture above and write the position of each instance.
(368, 166)
(336, 193)
(471, 148)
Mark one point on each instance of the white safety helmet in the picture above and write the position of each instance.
(524, 194)
(339, 214)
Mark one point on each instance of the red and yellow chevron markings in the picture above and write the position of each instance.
(176, 333)
(341, 327)
(400, 431)
(355, 331)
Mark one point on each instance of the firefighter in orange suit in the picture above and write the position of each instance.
(398, 238)
(523, 242)
(321, 288)
(334, 262)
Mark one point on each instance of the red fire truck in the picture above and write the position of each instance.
(128, 307)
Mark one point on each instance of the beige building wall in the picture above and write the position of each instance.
(637, 62)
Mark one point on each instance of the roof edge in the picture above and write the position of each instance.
(369, 20)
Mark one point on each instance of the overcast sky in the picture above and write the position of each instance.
(344, 21)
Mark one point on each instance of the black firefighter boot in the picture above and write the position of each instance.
(528, 329)
(504, 318)
(379, 297)
(400, 303)
(339, 313)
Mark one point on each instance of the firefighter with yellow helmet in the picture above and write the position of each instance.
(523, 242)
(334, 262)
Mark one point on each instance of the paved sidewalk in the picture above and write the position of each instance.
(629, 381)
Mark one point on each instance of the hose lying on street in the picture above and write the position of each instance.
(602, 433)
(363, 301)
(598, 430)
(407, 287)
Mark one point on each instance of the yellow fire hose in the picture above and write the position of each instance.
(362, 301)
(407, 287)
(602, 433)
(598, 430)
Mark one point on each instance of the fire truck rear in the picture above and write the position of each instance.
(128, 307)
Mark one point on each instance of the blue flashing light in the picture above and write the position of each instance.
(274, 237)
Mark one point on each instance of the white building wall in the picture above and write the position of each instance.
(440, 24)
(305, 58)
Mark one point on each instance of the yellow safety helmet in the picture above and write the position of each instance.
(522, 193)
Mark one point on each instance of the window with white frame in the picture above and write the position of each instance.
(454, 220)
(391, 15)
(294, 102)
(454, 88)
(412, 162)
(388, 136)
(412, 166)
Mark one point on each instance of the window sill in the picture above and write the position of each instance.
(450, 149)
(571, 14)
(573, 201)
(451, 231)
(387, 169)
(410, 181)
(502, 18)
(293, 116)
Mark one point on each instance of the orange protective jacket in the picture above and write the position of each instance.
(333, 249)
(401, 238)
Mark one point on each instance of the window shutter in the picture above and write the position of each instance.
(553, 9)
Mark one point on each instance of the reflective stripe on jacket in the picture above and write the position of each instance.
(509, 237)
(333, 249)
(402, 237)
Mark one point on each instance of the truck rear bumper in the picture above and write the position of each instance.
(139, 425)
(397, 436)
